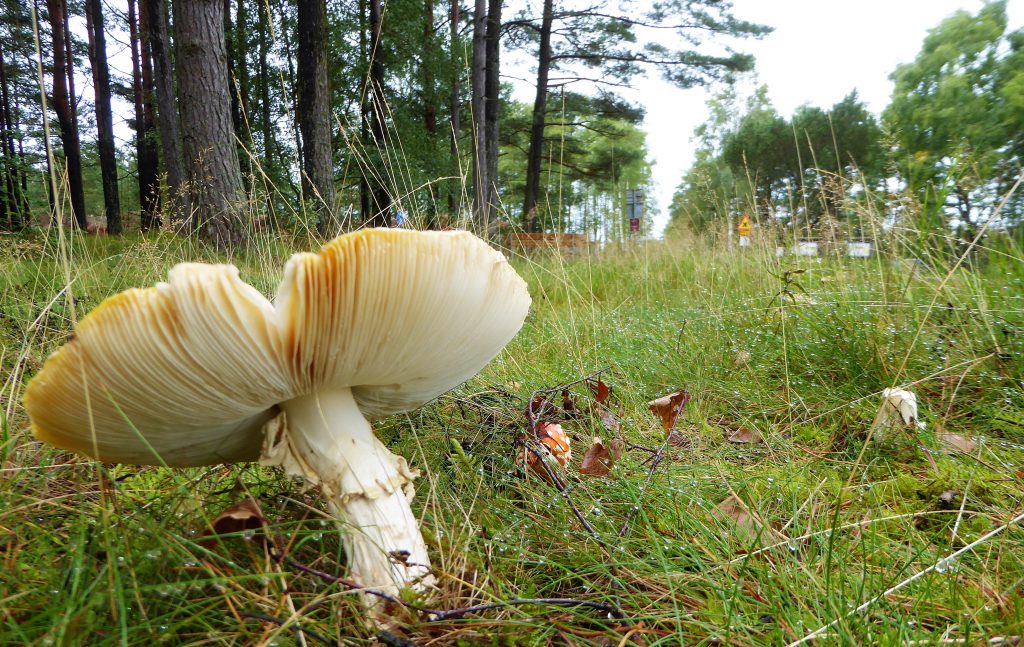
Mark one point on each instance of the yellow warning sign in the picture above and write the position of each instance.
(744, 226)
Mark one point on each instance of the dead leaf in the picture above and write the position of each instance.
(668, 407)
(677, 439)
(743, 435)
(554, 444)
(569, 405)
(953, 443)
(538, 405)
(598, 460)
(748, 528)
(244, 517)
(610, 421)
(617, 447)
(601, 390)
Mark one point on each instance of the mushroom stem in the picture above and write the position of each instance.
(324, 438)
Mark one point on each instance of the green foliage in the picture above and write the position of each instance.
(956, 115)
(759, 162)
(594, 150)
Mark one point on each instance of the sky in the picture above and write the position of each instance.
(819, 52)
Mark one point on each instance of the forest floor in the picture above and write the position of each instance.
(767, 515)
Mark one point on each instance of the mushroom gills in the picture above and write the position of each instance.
(324, 438)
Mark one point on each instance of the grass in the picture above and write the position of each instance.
(99, 554)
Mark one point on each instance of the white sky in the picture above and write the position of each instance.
(819, 52)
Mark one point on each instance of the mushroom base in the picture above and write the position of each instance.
(325, 439)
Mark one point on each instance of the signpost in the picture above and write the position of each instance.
(744, 230)
(634, 209)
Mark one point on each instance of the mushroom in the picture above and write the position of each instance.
(203, 370)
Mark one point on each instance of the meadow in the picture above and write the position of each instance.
(769, 514)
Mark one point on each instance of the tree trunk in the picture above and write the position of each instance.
(314, 94)
(269, 143)
(533, 159)
(211, 158)
(168, 123)
(478, 81)
(455, 108)
(104, 116)
(62, 74)
(241, 34)
(426, 65)
(15, 215)
(492, 102)
(364, 113)
(147, 158)
(381, 216)
(229, 49)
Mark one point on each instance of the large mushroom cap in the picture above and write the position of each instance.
(186, 373)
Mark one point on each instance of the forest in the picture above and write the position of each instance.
(333, 114)
(329, 115)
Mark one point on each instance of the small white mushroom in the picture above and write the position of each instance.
(204, 370)
(898, 409)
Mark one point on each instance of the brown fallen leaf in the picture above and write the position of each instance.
(677, 439)
(610, 421)
(601, 390)
(668, 407)
(554, 445)
(569, 405)
(598, 460)
(243, 517)
(539, 405)
(952, 443)
(743, 435)
(748, 528)
(617, 446)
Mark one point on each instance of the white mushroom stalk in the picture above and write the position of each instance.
(324, 438)
(204, 369)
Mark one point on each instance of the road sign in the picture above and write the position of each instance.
(634, 225)
(744, 241)
(745, 226)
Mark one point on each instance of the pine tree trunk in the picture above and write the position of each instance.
(269, 144)
(492, 102)
(62, 73)
(13, 202)
(364, 114)
(229, 49)
(381, 196)
(104, 116)
(455, 109)
(426, 65)
(168, 123)
(147, 158)
(211, 158)
(314, 94)
(478, 80)
(533, 159)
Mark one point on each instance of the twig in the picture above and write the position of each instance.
(944, 561)
(391, 640)
(292, 627)
(565, 493)
(655, 461)
(612, 610)
(547, 468)
(436, 615)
